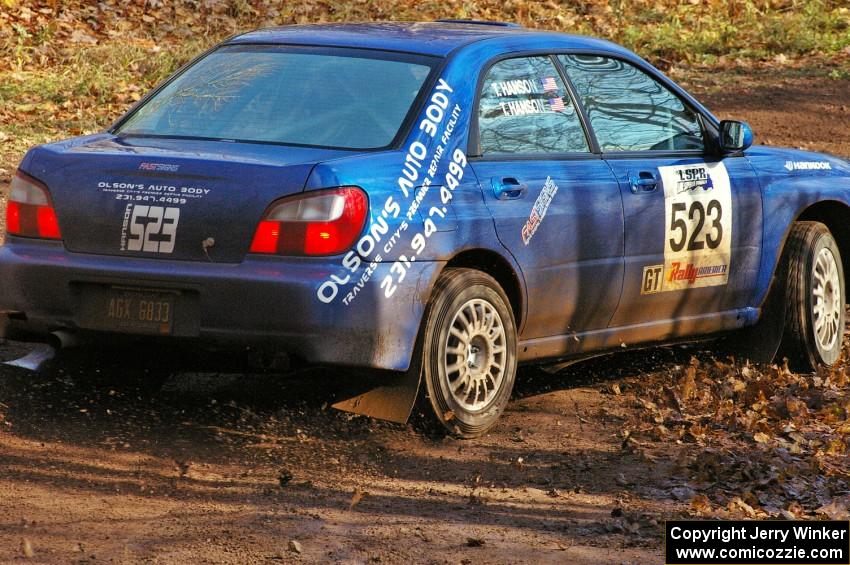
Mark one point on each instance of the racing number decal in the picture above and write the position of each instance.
(698, 232)
(150, 228)
(698, 239)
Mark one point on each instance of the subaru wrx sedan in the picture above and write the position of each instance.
(446, 199)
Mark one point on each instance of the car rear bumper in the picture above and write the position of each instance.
(264, 301)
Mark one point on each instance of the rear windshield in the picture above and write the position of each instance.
(350, 99)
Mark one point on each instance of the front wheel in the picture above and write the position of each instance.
(470, 351)
(815, 297)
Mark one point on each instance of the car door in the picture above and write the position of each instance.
(693, 220)
(556, 205)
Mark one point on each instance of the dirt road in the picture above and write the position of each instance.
(234, 468)
(97, 467)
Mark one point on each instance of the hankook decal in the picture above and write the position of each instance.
(808, 166)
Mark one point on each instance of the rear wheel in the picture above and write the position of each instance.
(815, 297)
(469, 349)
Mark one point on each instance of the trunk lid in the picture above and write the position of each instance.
(168, 198)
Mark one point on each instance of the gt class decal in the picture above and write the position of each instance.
(653, 277)
(151, 229)
(698, 229)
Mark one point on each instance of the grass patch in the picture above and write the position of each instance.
(81, 94)
(72, 68)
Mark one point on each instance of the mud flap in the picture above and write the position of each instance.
(392, 401)
(760, 343)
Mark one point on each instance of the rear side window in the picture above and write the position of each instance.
(284, 95)
(628, 109)
(524, 108)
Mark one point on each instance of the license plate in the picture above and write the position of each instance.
(128, 310)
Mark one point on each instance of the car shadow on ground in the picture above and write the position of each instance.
(258, 442)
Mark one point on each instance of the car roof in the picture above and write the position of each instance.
(426, 38)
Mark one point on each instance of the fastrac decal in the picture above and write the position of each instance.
(538, 210)
(808, 166)
(163, 167)
(417, 177)
(698, 229)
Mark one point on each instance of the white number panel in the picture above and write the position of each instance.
(151, 228)
(698, 220)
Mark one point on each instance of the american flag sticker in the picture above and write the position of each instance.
(549, 84)
(557, 104)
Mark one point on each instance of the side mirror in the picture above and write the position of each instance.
(735, 136)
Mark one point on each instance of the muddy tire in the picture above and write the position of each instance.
(469, 352)
(813, 278)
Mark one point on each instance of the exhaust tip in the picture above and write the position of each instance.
(62, 339)
(44, 352)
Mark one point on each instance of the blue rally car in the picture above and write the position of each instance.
(444, 199)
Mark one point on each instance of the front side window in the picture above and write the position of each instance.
(628, 109)
(524, 108)
(346, 99)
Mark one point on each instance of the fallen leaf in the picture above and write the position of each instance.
(689, 385)
(835, 510)
(26, 548)
(701, 504)
(761, 437)
(79, 36)
(356, 498)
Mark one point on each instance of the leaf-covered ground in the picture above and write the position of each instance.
(750, 442)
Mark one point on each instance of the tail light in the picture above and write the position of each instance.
(325, 222)
(29, 212)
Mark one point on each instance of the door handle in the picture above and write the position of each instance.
(508, 188)
(643, 182)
